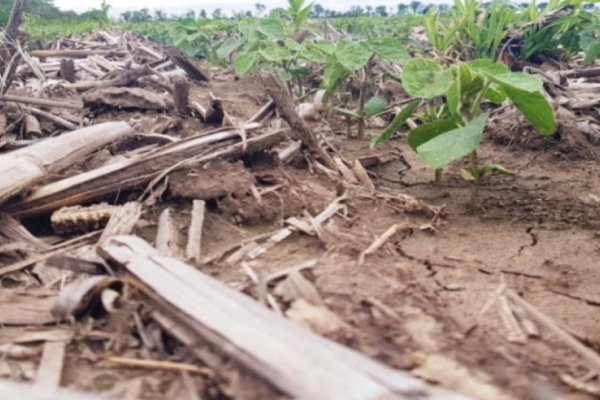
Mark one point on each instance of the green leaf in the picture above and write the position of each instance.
(424, 133)
(300, 71)
(472, 89)
(591, 53)
(293, 45)
(453, 145)
(495, 94)
(375, 105)
(314, 55)
(535, 108)
(396, 123)
(274, 53)
(353, 55)
(453, 96)
(390, 49)
(426, 79)
(303, 16)
(488, 66)
(244, 63)
(500, 74)
(189, 51)
(517, 80)
(333, 75)
(229, 46)
(323, 46)
(271, 28)
(462, 83)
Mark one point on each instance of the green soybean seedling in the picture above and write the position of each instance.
(272, 43)
(457, 130)
(354, 59)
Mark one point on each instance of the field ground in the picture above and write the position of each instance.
(536, 233)
(429, 301)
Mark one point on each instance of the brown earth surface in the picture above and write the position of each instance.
(426, 302)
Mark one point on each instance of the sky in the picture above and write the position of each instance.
(180, 6)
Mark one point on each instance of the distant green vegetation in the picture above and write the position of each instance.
(43, 21)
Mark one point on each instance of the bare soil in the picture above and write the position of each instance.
(418, 303)
(423, 294)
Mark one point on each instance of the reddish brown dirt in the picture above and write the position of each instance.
(420, 297)
(535, 233)
(416, 303)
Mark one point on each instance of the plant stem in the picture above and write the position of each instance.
(474, 201)
(438, 176)
(299, 83)
(361, 104)
(476, 106)
(348, 127)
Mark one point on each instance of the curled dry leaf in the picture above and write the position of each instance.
(80, 295)
(110, 298)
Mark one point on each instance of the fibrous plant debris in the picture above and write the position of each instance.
(173, 228)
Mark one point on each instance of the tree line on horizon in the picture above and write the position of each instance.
(415, 7)
(47, 10)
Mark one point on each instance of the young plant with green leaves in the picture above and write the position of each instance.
(458, 126)
(471, 30)
(194, 37)
(589, 38)
(354, 59)
(562, 27)
(271, 42)
(299, 11)
(371, 108)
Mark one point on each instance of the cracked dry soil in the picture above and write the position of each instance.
(416, 304)
(536, 233)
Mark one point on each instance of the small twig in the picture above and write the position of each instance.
(157, 364)
(54, 118)
(62, 248)
(193, 250)
(592, 358)
(380, 241)
(42, 102)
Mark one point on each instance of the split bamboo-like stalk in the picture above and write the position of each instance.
(67, 70)
(9, 56)
(295, 360)
(42, 102)
(2, 125)
(300, 129)
(193, 251)
(126, 78)
(22, 168)
(168, 236)
(74, 53)
(179, 59)
(32, 126)
(181, 94)
(133, 172)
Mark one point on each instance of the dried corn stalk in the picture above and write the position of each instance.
(78, 219)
